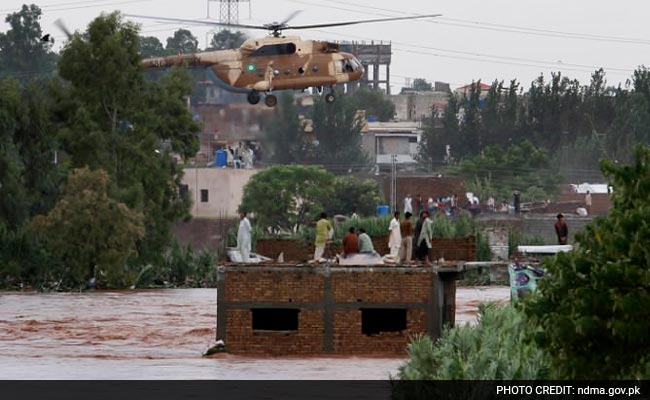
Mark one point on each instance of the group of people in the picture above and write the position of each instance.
(444, 205)
(354, 242)
(403, 237)
(242, 156)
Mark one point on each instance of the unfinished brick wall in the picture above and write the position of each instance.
(453, 249)
(332, 305)
(243, 340)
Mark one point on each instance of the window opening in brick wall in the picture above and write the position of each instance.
(275, 319)
(204, 195)
(377, 320)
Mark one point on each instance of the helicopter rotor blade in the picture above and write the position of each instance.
(195, 22)
(63, 28)
(290, 17)
(366, 21)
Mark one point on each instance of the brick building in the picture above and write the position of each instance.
(297, 309)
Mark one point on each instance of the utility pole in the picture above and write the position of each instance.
(393, 182)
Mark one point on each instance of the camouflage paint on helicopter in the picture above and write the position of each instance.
(274, 62)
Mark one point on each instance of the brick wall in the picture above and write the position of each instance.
(348, 338)
(453, 249)
(330, 303)
(382, 287)
(308, 339)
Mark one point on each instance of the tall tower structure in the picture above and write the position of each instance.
(228, 10)
(228, 14)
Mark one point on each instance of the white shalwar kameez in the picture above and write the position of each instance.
(394, 238)
(244, 239)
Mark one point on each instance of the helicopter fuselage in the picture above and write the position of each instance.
(268, 64)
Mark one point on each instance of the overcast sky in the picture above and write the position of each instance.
(474, 39)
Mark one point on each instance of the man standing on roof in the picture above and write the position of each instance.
(324, 231)
(406, 248)
(561, 230)
(408, 204)
(424, 239)
(244, 237)
(394, 236)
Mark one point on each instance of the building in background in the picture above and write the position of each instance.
(382, 140)
(374, 57)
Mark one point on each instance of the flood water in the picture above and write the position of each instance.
(158, 334)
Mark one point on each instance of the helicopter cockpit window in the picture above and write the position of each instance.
(348, 66)
(275, 50)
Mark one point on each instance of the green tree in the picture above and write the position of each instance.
(375, 103)
(150, 46)
(594, 308)
(22, 53)
(37, 142)
(337, 127)
(226, 39)
(471, 140)
(182, 42)
(499, 173)
(113, 119)
(87, 229)
(432, 149)
(284, 198)
(285, 133)
(13, 198)
(421, 85)
(353, 195)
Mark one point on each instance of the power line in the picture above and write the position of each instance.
(526, 62)
(89, 4)
(485, 25)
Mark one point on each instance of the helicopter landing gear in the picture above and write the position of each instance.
(329, 98)
(253, 97)
(270, 100)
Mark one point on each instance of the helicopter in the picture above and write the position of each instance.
(275, 62)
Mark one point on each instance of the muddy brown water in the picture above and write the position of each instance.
(158, 334)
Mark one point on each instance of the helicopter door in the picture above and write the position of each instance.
(338, 67)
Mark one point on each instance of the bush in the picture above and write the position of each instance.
(498, 347)
(181, 267)
(483, 251)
